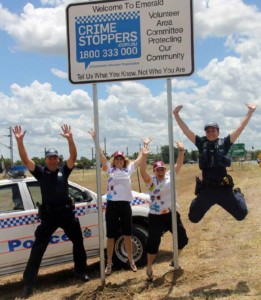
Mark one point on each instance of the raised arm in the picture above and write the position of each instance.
(180, 158)
(189, 134)
(146, 142)
(67, 133)
(143, 164)
(235, 134)
(19, 136)
(102, 156)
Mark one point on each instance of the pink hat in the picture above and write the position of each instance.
(158, 164)
(119, 153)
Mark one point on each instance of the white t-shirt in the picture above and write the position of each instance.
(160, 194)
(119, 183)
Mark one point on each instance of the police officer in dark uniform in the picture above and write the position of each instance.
(56, 210)
(216, 186)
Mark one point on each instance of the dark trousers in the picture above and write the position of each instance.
(233, 203)
(118, 216)
(48, 226)
(158, 225)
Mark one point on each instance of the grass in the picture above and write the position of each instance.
(221, 261)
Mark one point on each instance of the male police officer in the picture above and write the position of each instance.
(216, 185)
(56, 209)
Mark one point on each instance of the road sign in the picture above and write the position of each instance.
(124, 40)
(237, 150)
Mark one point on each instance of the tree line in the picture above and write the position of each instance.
(85, 163)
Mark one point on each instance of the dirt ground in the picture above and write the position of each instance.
(221, 261)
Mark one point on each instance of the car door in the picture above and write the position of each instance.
(87, 214)
(16, 228)
(87, 211)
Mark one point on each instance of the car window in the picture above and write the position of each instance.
(77, 195)
(10, 198)
(35, 192)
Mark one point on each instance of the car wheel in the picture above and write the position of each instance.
(139, 238)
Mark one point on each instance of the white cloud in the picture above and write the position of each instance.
(223, 18)
(36, 29)
(130, 111)
(59, 73)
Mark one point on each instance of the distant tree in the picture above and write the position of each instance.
(165, 154)
(39, 161)
(194, 155)
(7, 164)
(84, 163)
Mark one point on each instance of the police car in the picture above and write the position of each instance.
(19, 201)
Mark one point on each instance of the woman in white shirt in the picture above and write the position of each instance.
(119, 195)
(160, 215)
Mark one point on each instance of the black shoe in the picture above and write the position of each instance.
(237, 190)
(27, 291)
(82, 275)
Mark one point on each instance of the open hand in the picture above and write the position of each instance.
(66, 131)
(177, 109)
(92, 133)
(146, 141)
(18, 133)
(180, 145)
(251, 106)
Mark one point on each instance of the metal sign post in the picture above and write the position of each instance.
(98, 181)
(172, 176)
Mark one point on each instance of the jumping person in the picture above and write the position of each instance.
(160, 215)
(118, 196)
(216, 186)
(56, 209)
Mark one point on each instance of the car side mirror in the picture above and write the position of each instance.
(86, 196)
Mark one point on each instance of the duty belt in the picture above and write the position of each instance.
(227, 181)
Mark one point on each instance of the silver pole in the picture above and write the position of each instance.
(172, 176)
(98, 182)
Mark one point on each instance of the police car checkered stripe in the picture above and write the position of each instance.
(138, 201)
(81, 210)
(107, 17)
(18, 221)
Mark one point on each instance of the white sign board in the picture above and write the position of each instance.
(125, 40)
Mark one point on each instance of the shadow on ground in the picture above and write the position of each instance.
(50, 281)
(210, 292)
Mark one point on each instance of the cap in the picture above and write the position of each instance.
(119, 153)
(211, 124)
(158, 164)
(51, 152)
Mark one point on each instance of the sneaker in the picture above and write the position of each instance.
(82, 276)
(27, 291)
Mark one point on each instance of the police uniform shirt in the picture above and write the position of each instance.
(54, 185)
(211, 171)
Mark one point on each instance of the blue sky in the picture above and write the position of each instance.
(36, 93)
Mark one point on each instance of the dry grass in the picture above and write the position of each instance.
(221, 261)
